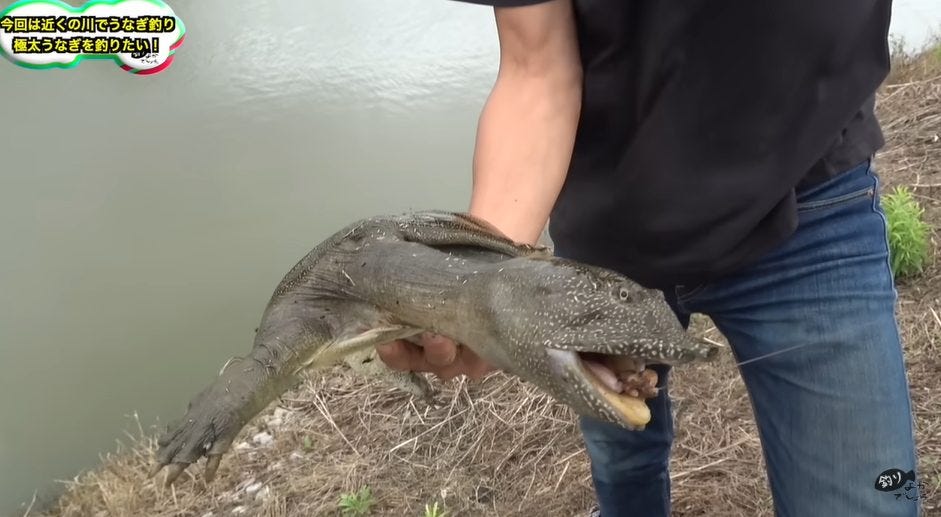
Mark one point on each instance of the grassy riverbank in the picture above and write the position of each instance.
(499, 447)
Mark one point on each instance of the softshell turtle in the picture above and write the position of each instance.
(524, 311)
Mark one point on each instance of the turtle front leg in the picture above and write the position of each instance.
(217, 414)
(244, 388)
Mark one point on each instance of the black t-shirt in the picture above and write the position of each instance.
(700, 118)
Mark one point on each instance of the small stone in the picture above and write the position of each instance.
(263, 438)
(263, 494)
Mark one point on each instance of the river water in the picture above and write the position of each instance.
(144, 221)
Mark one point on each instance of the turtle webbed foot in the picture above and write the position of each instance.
(210, 425)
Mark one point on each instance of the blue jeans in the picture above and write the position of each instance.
(832, 414)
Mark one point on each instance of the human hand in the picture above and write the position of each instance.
(437, 354)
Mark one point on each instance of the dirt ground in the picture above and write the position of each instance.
(499, 447)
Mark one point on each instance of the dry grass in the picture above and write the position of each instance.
(500, 447)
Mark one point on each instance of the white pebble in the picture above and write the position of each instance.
(263, 439)
(263, 494)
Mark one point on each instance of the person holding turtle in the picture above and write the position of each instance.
(722, 153)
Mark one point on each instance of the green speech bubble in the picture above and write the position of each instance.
(136, 34)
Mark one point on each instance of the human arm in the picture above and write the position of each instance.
(525, 137)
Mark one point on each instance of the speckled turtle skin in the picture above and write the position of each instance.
(393, 277)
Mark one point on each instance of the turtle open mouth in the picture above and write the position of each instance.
(621, 382)
(620, 374)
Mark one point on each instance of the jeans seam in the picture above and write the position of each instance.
(885, 233)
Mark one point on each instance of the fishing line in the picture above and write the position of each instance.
(776, 352)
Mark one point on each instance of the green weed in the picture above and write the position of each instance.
(356, 504)
(434, 511)
(908, 233)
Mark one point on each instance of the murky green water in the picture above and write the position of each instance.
(144, 221)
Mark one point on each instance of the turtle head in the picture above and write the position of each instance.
(576, 322)
(575, 307)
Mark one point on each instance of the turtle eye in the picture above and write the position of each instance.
(624, 294)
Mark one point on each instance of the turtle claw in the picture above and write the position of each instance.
(211, 422)
(156, 468)
(173, 472)
(212, 464)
